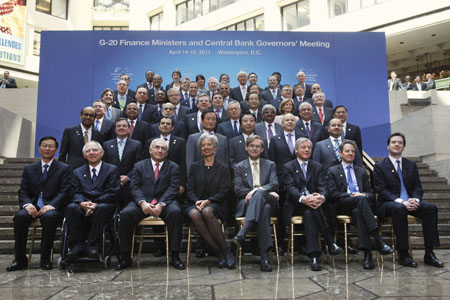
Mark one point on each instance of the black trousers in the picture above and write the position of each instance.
(81, 227)
(314, 221)
(359, 208)
(259, 210)
(22, 221)
(132, 214)
(399, 214)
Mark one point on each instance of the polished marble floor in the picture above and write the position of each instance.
(203, 280)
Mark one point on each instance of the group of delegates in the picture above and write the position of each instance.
(395, 84)
(246, 152)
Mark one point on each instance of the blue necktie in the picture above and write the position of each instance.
(94, 176)
(351, 184)
(40, 202)
(403, 192)
(336, 149)
(289, 142)
(308, 132)
(96, 125)
(304, 169)
(235, 130)
(140, 112)
(121, 149)
(108, 113)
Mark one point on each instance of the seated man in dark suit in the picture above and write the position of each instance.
(256, 184)
(139, 129)
(43, 194)
(350, 193)
(177, 148)
(231, 128)
(102, 124)
(123, 152)
(7, 82)
(304, 182)
(155, 183)
(306, 128)
(397, 181)
(95, 189)
(75, 137)
(326, 152)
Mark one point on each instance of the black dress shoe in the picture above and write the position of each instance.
(383, 248)
(368, 261)
(46, 264)
(124, 263)
(281, 252)
(266, 266)
(238, 240)
(407, 261)
(159, 252)
(315, 264)
(176, 263)
(222, 264)
(17, 265)
(431, 259)
(334, 249)
(74, 253)
(351, 250)
(93, 253)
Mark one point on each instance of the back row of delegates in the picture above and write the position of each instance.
(155, 183)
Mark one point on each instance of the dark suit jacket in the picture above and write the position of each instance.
(187, 103)
(268, 96)
(296, 184)
(352, 132)
(261, 130)
(152, 95)
(145, 86)
(193, 153)
(108, 129)
(132, 153)
(337, 183)
(315, 129)
(116, 102)
(243, 181)
(308, 90)
(164, 189)
(55, 188)
(237, 152)
(397, 84)
(328, 115)
(219, 182)
(179, 129)
(105, 190)
(235, 93)
(11, 84)
(387, 181)
(324, 153)
(226, 129)
(191, 123)
(72, 142)
(415, 88)
(279, 152)
(149, 113)
(177, 154)
(141, 131)
(182, 112)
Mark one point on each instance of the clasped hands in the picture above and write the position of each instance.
(313, 200)
(411, 204)
(88, 207)
(250, 194)
(151, 209)
(200, 204)
(33, 212)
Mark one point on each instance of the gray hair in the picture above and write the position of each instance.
(268, 106)
(203, 95)
(317, 94)
(174, 90)
(305, 104)
(302, 140)
(207, 136)
(241, 73)
(300, 72)
(213, 79)
(95, 143)
(156, 141)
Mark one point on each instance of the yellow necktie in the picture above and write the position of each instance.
(255, 174)
(86, 137)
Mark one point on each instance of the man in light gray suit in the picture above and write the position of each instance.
(326, 152)
(111, 113)
(268, 128)
(256, 184)
(431, 84)
(394, 84)
(209, 121)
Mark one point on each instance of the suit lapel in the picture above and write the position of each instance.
(87, 176)
(249, 174)
(393, 168)
(126, 149)
(359, 177)
(53, 168)
(80, 134)
(343, 177)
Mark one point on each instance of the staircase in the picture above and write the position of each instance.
(436, 189)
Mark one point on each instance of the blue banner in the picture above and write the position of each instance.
(350, 67)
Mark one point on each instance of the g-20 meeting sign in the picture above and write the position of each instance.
(350, 67)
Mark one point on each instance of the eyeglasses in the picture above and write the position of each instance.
(47, 146)
(89, 115)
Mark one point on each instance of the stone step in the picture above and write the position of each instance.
(10, 181)
(433, 179)
(416, 159)
(12, 166)
(427, 173)
(9, 199)
(8, 210)
(11, 173)
(432, 187)
(21, 160)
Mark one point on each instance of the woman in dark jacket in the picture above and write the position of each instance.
(207, 186)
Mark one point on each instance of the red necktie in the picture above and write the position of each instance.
(131, 127)
(321, 115)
